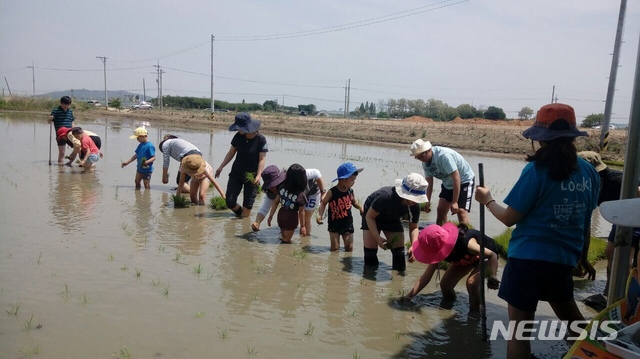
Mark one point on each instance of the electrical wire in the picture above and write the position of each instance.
(339, 29)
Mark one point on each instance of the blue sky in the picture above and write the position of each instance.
(488, 53)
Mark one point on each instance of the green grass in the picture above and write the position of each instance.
(218, 203)
(596, 248)
(180, 201)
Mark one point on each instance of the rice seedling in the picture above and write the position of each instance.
(161, 248)
(396, 334)
(352, 312)
(177, 258)
(320, 299)
(110, 257)
(251, 350)
(199, 314)
(310, 329)
(166, 290)
(14, 309)
(156, 283)
(223, 333)
(66, 294)
(84, 299)
(29, 351)
(218, 203)
(391, 243)
(138, 272)
(124, 267)
(197, 270)
(28, 324)
(180, 201)
(123, 353)
(288, 313)
(356, 355)
(39, 257)
(299, 253)
(250, 177)
(255, 296)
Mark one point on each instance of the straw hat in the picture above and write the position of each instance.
(193, 165)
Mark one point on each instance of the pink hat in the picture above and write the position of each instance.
(435, 243)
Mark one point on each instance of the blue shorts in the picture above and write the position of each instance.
(145, 175)
(527, 281)
(93, 158)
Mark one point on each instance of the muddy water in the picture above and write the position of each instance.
(91, 268)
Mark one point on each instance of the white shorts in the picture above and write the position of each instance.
(313, 202)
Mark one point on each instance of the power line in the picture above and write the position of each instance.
(348, 26)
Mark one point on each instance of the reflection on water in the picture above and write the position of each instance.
(74, 198)
(188, 282)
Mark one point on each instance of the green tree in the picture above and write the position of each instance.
(270, 105)
(525, 113)
(309, 109)
(593, 119)
(494, 113)
(467, 111)
(115, 103)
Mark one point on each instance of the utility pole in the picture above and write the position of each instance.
(161, 93)
(553, 92)
(159, 81)
(345, 100)
(283, 102)
(611, 89)
(348, 96)
(144, 91)
(620, 262)
(33, 77)
(8, 88)
(212, 100)
(104, 64)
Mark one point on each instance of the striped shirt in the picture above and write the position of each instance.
(62, 118)
(175, 148)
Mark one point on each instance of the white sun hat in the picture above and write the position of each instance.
(413, 187)
(419, 146)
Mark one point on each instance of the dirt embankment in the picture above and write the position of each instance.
(503, 137)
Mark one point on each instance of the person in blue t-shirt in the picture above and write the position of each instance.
(551, 205)
(456, 175)
(145, 155)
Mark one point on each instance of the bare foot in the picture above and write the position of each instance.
(255, 226)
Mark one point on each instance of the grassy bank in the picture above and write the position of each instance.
(596, 249)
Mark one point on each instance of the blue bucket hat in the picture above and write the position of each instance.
(347, 170)
(245, 123)
(554, 121)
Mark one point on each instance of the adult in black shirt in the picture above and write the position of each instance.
(610, 188)
(383, 211)
(251, 149)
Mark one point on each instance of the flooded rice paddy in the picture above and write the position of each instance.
(91, 268)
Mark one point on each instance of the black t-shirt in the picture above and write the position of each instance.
(388, 204)
(611, 181)
(461, 254)
(247, 155)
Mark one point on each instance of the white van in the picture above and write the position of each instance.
(94, 102)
